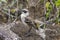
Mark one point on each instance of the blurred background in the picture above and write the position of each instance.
(43, 10)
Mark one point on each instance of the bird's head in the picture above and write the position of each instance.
(24, 13)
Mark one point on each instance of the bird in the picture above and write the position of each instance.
(25, 13)
(26, 20)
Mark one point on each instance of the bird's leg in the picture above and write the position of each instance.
(28, 33)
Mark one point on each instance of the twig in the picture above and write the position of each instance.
(9, 16)
(7, 33)
(40, 22)
(37, 2)
(7, 13)
(13, 2)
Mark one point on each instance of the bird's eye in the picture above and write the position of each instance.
(24, 11)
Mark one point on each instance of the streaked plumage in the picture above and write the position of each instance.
(26, 21)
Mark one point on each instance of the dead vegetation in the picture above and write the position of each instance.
(9, 28)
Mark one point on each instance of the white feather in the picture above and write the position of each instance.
(23, 16)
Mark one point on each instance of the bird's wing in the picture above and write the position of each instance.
(31, 23)
(34, 22)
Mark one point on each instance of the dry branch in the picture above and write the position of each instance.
(41, 22)
(7, 33)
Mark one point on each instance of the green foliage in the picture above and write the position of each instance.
(47, 4)
(37, 25)
(47, 15)
(58, 17)
(57, 3)
(49, 8)
(54, 1)
(3, 0)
